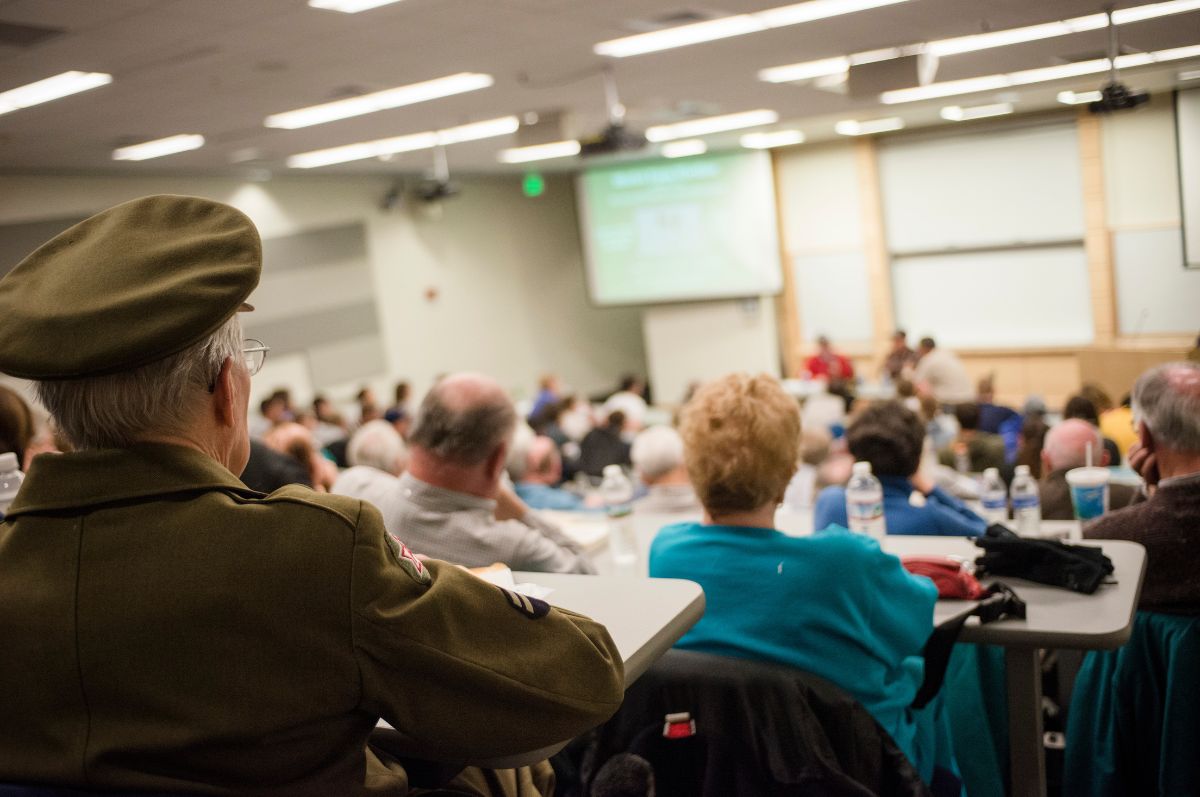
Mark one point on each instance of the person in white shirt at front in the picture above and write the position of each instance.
(941, 374)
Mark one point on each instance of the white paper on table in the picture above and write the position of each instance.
(503, 577)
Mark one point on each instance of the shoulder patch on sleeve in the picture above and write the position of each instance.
(407, 561)
(533, 608)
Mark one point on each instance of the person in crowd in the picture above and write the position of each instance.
(605, 445)
(1117, 425)
(890, 437)
(400, 420)
(630, 401)
(540, 477)
(1083, 408)
(450, 502)
(657, 457)
(1194, 354)
(977, 449)
(901, 360)
(828, 364)
(210, 638)
(549, 392)
(1066, 448)
(273, 410)
(330, 427)
(1166, 404)
(377, 457)
(942, 427)
(833, 604)
(368, 405)
(267, 470)
(17, 427)
(401, 397)
(816, 447)
(1033, 436)
(295, 441)
(993, 416)
(577, 418)
(941, 374)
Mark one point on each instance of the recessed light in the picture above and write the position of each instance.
(159, 147)
(853, 127)
(775, 138)
(1078, 97)
(380, 100)
(957, 113)
(711, 124)
(52, 88)
(349, 6)
(539, 152)
(406, 143)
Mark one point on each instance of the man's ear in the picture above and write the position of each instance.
(497, 460)
(224, 396)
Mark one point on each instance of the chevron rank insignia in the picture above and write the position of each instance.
(530, 607)
(407, 560)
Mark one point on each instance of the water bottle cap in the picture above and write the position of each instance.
(860, 468)
(1022, 470)
(8, 461)
(992, 472)
(613, 470)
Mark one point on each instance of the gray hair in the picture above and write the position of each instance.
(1167, 400)
(518, 452)
(657, 451)
(467, 434)
(378, 445)
(117, 410)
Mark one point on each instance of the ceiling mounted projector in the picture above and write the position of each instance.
(1115, 95)
(615, 137)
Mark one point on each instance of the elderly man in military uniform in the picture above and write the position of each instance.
(166, 628)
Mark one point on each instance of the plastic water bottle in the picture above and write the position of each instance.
(994, 497)
(864, 502)
(10, 481)
(617, 491)
(1026, 504)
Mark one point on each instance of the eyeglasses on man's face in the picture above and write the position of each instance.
(255, 354)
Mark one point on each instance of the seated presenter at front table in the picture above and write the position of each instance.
(890, 436)
(833, 604)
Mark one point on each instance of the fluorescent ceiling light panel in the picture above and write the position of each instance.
(957, 113)
(1078, 97)
(159, 147)
(808, 70)
(736, 25)
(539, 152)
(684, 148)
(711, 124)
(52, 88)
(406, 143)
(852, 127)
(775, 138)
(380, 100)
(1029, 76)
(349, 6)
(1190, 74)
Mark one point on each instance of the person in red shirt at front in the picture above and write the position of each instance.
(829, 365)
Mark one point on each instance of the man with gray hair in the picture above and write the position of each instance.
(377, 457)
(1066, 448)
(167, 629)
(450, 503)
(657, 456)
(1166, 409)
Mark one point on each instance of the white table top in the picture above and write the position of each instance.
(1056, 617)
(644, 616)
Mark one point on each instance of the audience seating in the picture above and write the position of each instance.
(1134, 726)
(761, 730)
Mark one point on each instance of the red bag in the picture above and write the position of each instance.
(950, 576)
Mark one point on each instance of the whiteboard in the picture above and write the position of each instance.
(992, 188)
(834, 296)
(1187, 117)
(1155, 293)
(1032, 297)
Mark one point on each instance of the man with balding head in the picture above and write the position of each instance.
(1166, 408)
(539, 476)
(1066, 448)
(451, 505)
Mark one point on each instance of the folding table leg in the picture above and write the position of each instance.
(1027, 757)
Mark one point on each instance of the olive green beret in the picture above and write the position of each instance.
(129, 286)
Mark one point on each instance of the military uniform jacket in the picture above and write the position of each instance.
(164, 627)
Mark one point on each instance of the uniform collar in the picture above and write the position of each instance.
(91, 478)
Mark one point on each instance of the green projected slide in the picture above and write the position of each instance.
(675, 230)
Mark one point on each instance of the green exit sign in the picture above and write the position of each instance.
(533, 184)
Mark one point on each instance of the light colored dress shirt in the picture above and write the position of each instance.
(369, 484)
(668, 499)
(946, 375)
(462, 528)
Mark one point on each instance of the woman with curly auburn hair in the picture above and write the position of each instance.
(832, 604)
